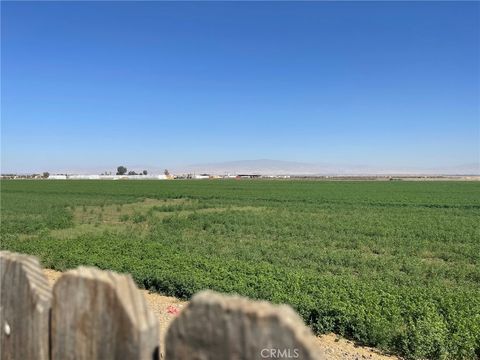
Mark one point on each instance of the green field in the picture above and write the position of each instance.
(395, 265)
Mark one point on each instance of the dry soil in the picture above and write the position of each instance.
(331, 346)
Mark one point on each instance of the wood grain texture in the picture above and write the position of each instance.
(101, 315)
(25, 302)
(218, 327)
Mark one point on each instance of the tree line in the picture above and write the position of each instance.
(122, 170)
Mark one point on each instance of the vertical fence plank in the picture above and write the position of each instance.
(25, 302)
(218, 327)
(101, 315)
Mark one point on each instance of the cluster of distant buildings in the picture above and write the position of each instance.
(226, 176)
(204, 176)
(109, 177)
(47, 176)
(86, 177)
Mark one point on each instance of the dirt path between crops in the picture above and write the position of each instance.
(331, 346)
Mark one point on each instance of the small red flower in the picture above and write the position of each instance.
(172, 310)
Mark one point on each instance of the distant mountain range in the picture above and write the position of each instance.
(279, 167)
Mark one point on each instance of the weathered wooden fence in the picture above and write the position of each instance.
(92, 314)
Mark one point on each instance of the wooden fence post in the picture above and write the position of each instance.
(25, 302)
(218, 327)
(101, 315)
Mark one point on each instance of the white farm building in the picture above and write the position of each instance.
(57, 177)
(113, 177)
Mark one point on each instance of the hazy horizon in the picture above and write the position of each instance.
(383, 85)
(267, 167)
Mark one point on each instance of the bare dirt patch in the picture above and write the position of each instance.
(114, 213)
(94, 220)
(166, 308)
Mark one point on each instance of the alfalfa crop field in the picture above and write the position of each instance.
(394, 265)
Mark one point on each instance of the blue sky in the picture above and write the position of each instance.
(99, 84)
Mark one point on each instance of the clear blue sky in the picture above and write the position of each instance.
(99, 84)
